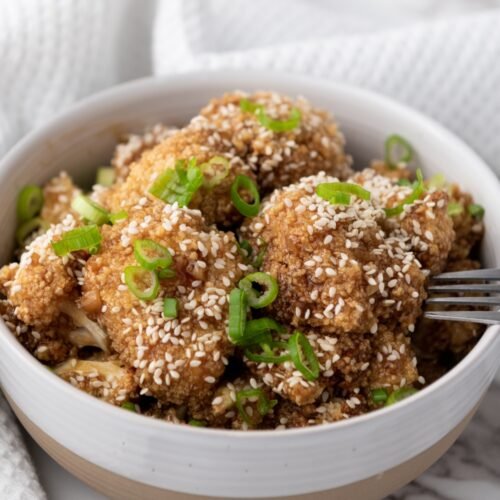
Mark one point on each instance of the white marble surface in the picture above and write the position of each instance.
(470, 470)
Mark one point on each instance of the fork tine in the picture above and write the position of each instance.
(487, 288)
(465, 301)
(484, 317)
(478, 274)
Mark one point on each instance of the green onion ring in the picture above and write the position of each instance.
(418, 190)
(328, 190)
(165, 274)
(400, 394)
(476, 210)
(244, 208)
(151, 255)
(268, 352)
(455, 208)
(216, 175)
(28, 227)
(258, 300)
(197, 423)
(392, 143)
(264, 404)
(266, 121)
(29, 202)
(90, 210)
(237, 315)
(128, 405)
(82, 238)
(105, 176)
(379, 395)
(303, 356)
(118, 216)
(144, 284)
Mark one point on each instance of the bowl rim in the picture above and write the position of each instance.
(108, 98)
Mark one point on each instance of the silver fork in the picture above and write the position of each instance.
(484, 281)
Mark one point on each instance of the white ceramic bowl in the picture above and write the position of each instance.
(116, 450)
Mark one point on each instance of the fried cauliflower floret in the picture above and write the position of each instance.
(343, 361)
(198, 140)
(132, 146)
(58, 194)
(400, 172)
(393, 363)
(48, 344)
(424, 227)
(335, 267)
(176, 360)
(43, 281)
(281, 158)
(106, 380)
(469, 230)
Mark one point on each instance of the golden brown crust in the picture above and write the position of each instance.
(58, 194)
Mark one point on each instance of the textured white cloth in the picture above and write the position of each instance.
(438, 56)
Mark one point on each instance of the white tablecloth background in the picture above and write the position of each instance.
(439, 56)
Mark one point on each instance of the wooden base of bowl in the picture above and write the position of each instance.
(118, 487)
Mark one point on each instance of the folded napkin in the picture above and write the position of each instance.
(425, 53)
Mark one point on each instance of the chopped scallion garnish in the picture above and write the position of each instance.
(197, 423)
(118, 216)
(152, 255)
(339, 193)
(237, 315)
(29, 202)
(266, 121)
(418, 190)
(268, 353)
(397, 151)
(246, 248)
(303, 356)
(243, 182)
(379, 395)
(400, 394)
(178, 184)
(82, 238)
(455, 208)
(264, 404)
(259, 299)
(128, 405)
(215, 171)
(105, 176)
(165, 274)
(170, 308)
(476, 210)
(144, 284)
(29, 227)
(90, 210)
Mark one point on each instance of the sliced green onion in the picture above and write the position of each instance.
(268, 354)
(259, 258)
(82, 238)
(118, 216)
(237, 315)
(213, 169)
(105, 176)
(455, 208)
(331, 190)
(476, 210)
(303, 356)
(165, 274)
(258, 300)
(244, 208)
(437, 181)
(152, 255)
(418, 190)
(29, 227)
(264, 404)
(266, 121)
(246, 247)
(400, 394)
(90, 210)
(29, 202)
(397, 150)
(379, 395)
(256, 327)
(144, 284)
(405, 182)
(197, 423)
(178, 184)
(128, 405)
(170, 308)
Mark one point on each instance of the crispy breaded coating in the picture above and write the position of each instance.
(176, 360)
(58, 194)
(48, 344)
(469, 230)
(281, 158)
(43, 281)
(198, 140)
(424, 227)
(343, 362)
(336, 268)
(131, 147)
(106, 380)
